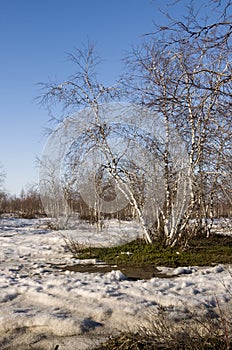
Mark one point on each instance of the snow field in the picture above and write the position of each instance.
(48, 304)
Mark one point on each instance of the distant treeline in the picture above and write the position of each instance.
(28, 205)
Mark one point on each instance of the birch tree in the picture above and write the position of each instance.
(183, 72)
(2, 176)
(2, 192)
(96, 146)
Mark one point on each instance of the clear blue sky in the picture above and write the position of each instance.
(35, 36)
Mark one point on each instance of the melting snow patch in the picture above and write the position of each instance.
(116, 275)
(182, 271)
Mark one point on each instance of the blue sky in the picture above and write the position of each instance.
(35, 36)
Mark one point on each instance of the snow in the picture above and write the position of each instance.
(42, 306)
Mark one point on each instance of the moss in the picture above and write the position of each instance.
(201, 252)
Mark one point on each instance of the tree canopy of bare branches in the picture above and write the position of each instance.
(183, 71)
(181, 74)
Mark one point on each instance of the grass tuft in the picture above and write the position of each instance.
(162, 333)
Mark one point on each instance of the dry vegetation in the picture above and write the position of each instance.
(212, 332)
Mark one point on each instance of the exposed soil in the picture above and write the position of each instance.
(131, 272)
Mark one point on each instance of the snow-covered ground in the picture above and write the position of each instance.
(42, 306)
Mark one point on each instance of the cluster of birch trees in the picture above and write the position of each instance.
(180, 74)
